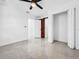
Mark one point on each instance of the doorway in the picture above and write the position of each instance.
(71, 32)
(60, 27)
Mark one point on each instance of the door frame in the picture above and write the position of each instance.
(71, 26)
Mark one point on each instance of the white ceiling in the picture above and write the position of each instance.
(49, 5)
(46, 4)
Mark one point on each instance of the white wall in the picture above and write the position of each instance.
(77, 24)
(56, 27)
(60, 27)
(31, 28)
(0, 12)
(12, 23)
(0, 16)
(46, 28)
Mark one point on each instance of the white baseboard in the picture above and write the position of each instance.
(11, 42)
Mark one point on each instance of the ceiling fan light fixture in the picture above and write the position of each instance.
(33, 4)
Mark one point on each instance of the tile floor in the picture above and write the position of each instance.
(38, 49)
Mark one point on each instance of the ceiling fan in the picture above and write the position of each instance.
(33, 3)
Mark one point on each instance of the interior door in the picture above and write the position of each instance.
(43, 28)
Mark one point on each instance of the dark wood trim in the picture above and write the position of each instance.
(43, 28)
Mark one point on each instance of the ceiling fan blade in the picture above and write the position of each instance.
(38, 0)
(31, 7)
(39, 6)
(25, 0)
